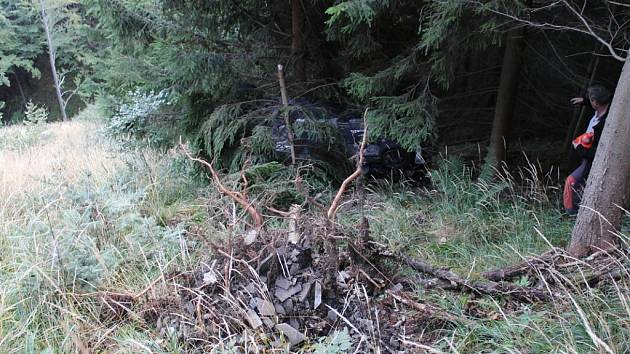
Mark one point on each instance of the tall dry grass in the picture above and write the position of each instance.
(80, 214)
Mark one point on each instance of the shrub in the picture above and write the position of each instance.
(34, 114)
(139, 116)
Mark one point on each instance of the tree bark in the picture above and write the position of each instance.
(506, 98)
(297, 43)
(51, 56)
(608, 185)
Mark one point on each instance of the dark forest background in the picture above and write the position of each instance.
(429, 70)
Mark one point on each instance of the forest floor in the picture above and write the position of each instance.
(110, 247)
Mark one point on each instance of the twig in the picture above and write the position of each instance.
(300, 188)
(431, 310)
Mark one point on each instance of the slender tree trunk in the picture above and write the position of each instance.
(287, 118)
(19, 84)
(608, 184)
(506, 98)
(51, 56)
(297, 43)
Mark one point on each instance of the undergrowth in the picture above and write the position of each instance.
(472, 225)
(80, 214)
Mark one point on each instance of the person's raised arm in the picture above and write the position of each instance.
(577, 100)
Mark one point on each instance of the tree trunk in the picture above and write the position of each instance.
(506, 97)
(51, 56)
(19, 85)
(297, 47)
(287, 117)
(608, 185)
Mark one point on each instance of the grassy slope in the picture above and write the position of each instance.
(79, 214)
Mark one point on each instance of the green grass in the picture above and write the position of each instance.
(82, 216)
(471, 226)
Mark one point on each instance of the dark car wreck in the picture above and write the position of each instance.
(382, 157)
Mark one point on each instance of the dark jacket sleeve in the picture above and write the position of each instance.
(597, 133)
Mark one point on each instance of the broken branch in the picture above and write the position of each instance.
(334, 206)
(238, 197)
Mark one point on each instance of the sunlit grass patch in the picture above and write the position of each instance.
(78, 215)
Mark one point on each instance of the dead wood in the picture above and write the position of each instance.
(562, 268)
(488, 288)
(239, 197)
(287, 118)
(516, 270)
(430, 310)
(334, 206)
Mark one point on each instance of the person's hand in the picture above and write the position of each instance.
(577, 100)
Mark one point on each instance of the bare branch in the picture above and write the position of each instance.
(238, 197)
(585, 26)
(582, 19)
(334, 206)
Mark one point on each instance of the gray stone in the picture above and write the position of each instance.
(280, 309)
(253, 319)
(318, 295)
(251, 288)
(251, 237)
(283, 294)
(332, 316)
(291, 334)
(265, 308)
(210, 277)
(283, 283)
(268, 323)
(288, 306)
(295, 269)
(294, 323)
(305, 290)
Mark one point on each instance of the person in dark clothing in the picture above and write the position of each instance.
(585, 145)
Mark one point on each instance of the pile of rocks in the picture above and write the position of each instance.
(285, 294)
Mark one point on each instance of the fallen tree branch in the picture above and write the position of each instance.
(334, 206)
(238, 197)
(513, 271)
(488, 288)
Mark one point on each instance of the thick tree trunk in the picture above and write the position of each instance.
(506, 98)
(608, 184)
(297, 44)
(51, 56)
